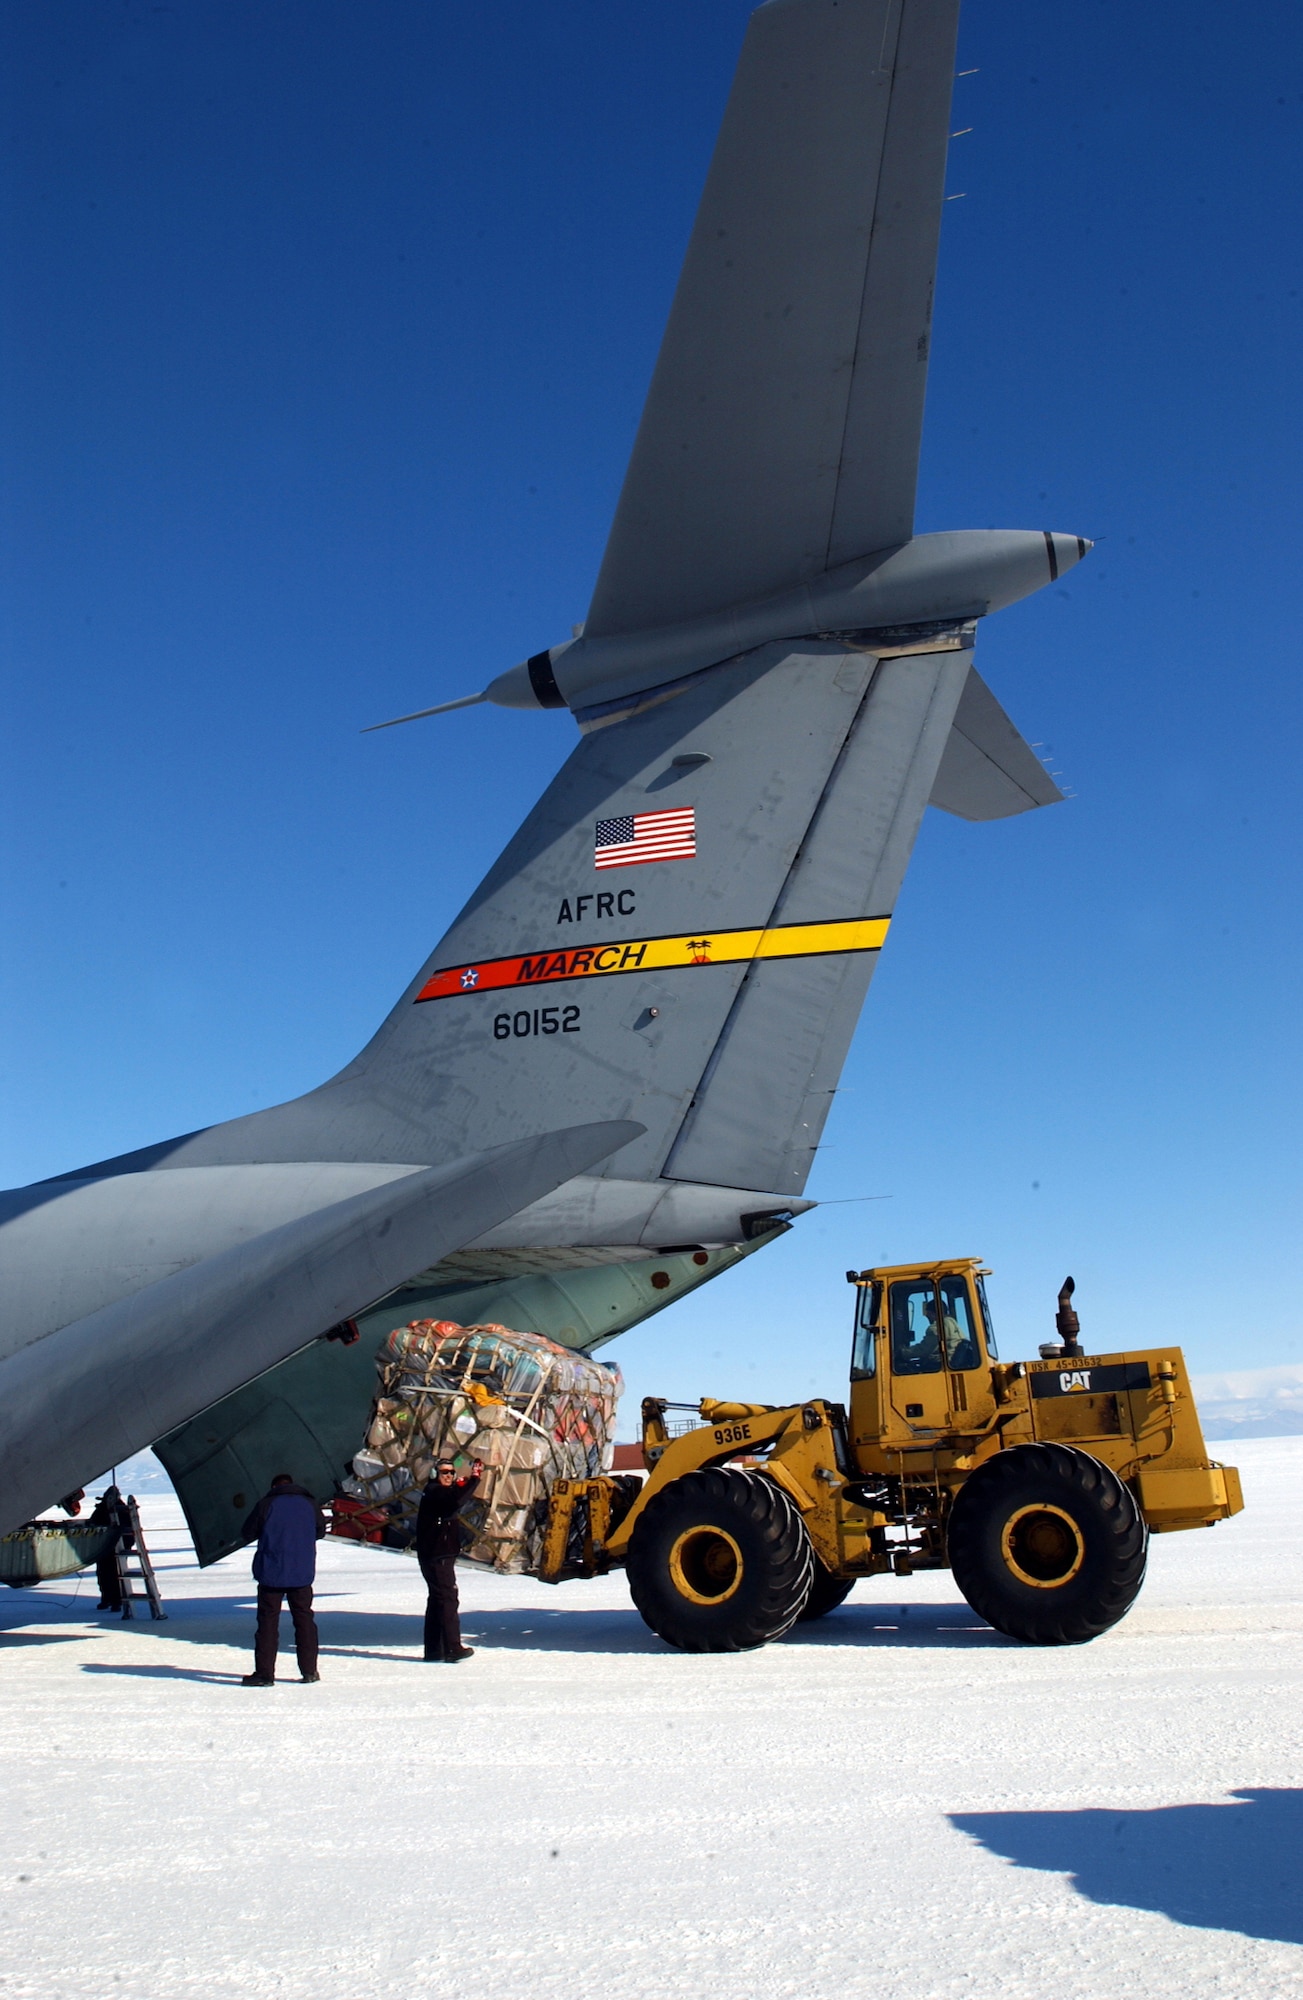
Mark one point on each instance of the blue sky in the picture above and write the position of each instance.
(326, 330)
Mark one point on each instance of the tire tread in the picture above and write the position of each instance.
(718, 1494)
(826, 1593)
(1071, 1471)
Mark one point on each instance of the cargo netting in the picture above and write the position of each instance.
(532, 1411)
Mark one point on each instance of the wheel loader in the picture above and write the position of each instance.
(1037, 1483)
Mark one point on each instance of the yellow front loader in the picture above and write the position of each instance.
(1037, 1483)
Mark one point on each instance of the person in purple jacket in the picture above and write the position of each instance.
(287, 1525)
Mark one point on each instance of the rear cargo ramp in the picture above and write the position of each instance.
(719, 1562)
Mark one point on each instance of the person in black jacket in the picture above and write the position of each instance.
(438, 1544)
(111, 1512)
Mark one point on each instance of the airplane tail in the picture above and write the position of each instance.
(676, 944)
(684, 929)
(682, 932)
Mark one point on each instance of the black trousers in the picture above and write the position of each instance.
(442, 1625)
(106, 1575)
(267, 1640)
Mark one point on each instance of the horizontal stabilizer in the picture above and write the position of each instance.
(121, 1377)
(989, 771)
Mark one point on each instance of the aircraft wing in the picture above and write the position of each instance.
(87, 1396)
(781, 431)
(987, 770)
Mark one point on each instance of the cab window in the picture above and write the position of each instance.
(962, 1350)
(864, 1352)
(915, 1349)
(993, 1352)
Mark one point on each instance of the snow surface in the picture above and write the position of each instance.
(894, 1802)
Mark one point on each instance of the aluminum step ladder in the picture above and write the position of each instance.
(134, 1565)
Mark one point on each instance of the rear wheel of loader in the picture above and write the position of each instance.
(826, 1592)
(720, 1562)
(1047, 1545)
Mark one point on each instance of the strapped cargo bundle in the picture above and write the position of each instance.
(532, 1411)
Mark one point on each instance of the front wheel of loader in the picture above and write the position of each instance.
(826, 1592)
(719, 1562)
(1047, 1545)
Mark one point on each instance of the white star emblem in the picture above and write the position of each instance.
(470, 978)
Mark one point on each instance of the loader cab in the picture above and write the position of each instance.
(921, 1355)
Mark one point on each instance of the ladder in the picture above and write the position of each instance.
(134, 1563)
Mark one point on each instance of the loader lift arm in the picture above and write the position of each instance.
(802, 1447)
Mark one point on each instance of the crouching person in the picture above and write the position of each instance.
(287, 1525)
(438, 1545)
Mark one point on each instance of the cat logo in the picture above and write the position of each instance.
(1074, 1378)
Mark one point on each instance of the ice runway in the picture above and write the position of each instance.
(894, 1802)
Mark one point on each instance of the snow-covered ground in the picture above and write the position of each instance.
(893, 1803)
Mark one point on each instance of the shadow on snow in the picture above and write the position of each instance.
(1225, 1867)
(603, 1629)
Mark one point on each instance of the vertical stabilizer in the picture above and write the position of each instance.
(767, 1091)
(682, 933)
(781, 431)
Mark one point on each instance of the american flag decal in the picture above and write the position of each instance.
(635, 837)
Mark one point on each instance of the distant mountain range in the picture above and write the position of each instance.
(141, 1474)
(1247, 1420)
(1251, 1402)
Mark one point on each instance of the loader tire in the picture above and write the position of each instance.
(826, 1592)
(1047, 1545)
(719, 1562)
